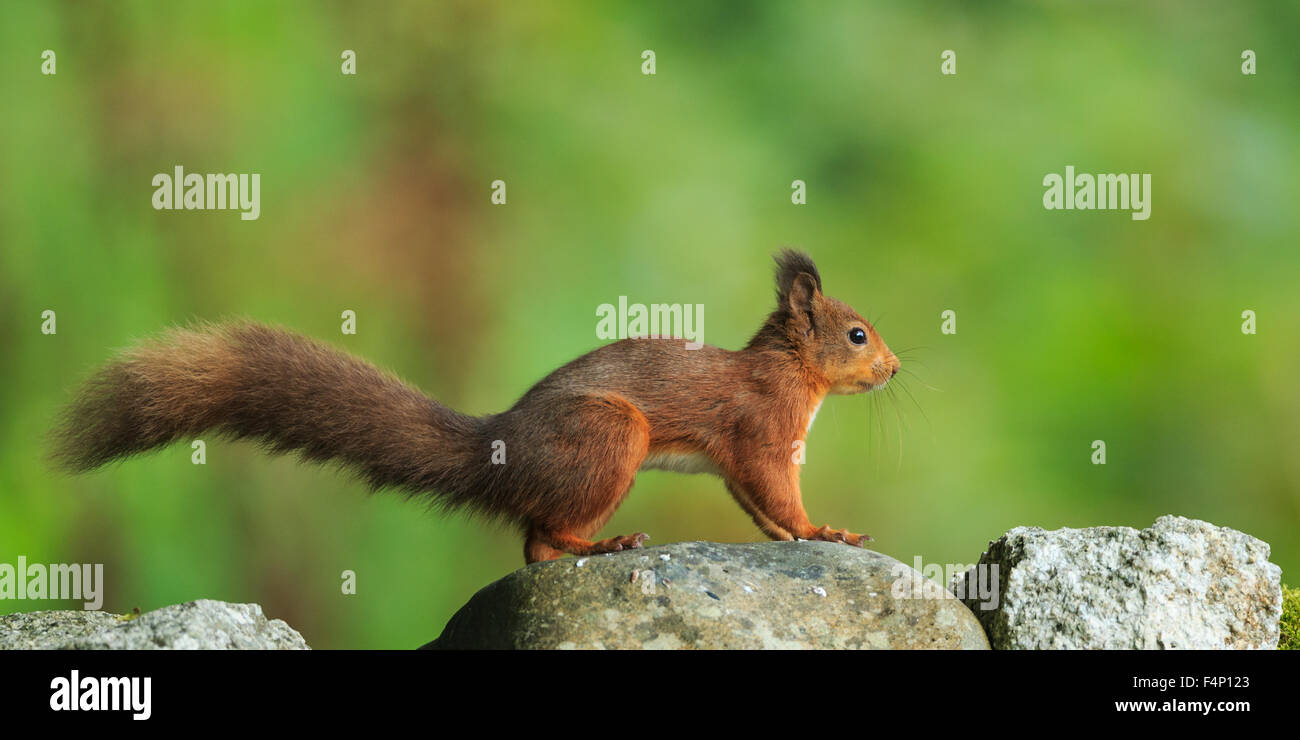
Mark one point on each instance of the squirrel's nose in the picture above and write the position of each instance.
(893, 371)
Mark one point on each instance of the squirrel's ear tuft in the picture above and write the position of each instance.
(798, 285)
(789, 265)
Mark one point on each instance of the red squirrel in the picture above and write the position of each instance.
(574, 442)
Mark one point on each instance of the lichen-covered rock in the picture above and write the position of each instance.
(47, 630)
(709, 595)
(195, 625)
(1182, 583)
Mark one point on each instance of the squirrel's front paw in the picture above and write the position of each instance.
(842, 535)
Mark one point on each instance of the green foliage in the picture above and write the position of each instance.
(1290, 639)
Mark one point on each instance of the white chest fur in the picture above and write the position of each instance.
(812, 417)
(680, 462)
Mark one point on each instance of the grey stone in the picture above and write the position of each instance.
(1182, 583)
(707, 595)
(194, 625)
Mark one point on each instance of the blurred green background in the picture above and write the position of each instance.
(924, 194)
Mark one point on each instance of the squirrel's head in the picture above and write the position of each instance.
(828, 334)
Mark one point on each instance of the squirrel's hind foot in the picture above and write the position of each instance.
(617, 544)
(543, 545)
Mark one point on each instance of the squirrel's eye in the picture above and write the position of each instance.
(857, 336)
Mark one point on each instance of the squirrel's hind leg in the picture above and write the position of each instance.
(536, 550)
(607, 439)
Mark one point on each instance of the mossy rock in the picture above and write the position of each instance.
(1290, 639)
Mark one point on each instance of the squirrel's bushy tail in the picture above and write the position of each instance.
(245, 380)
